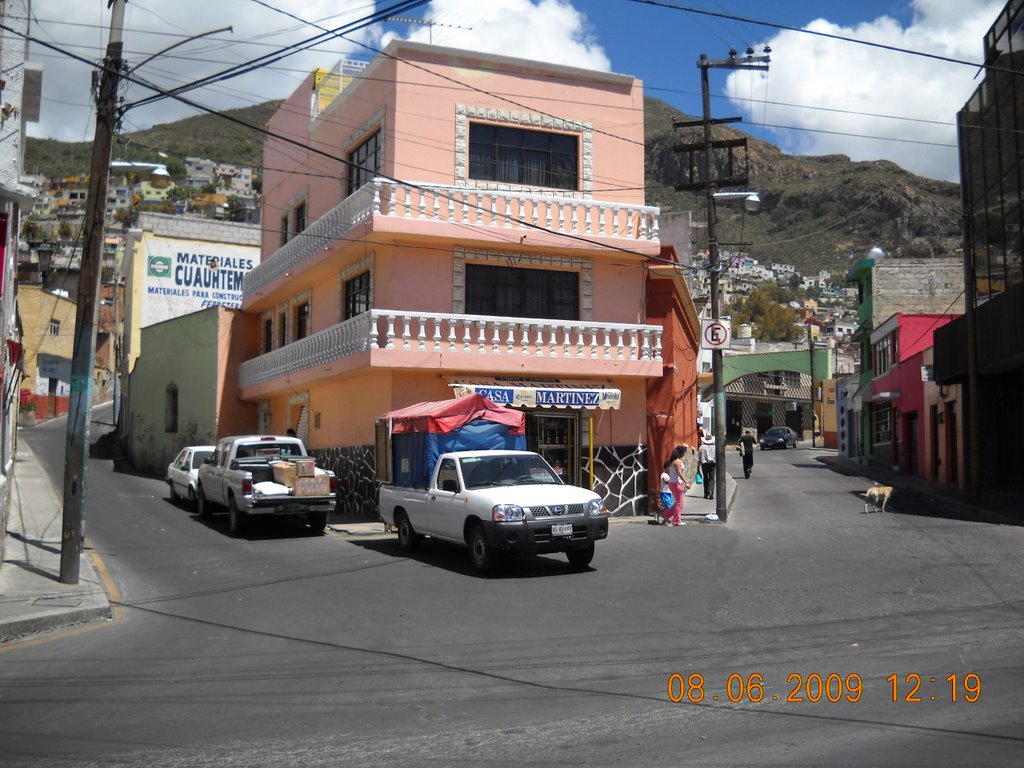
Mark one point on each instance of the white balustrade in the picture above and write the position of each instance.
(428, 202)
(407, 331)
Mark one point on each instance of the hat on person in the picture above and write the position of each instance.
(709, 437)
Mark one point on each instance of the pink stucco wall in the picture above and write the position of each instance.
(412, 95)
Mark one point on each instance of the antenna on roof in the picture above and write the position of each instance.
(425, 22)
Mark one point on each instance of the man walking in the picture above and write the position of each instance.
(706, 456)
(747, 452)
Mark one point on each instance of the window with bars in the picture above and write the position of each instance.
(54, 327)
(299, 217)
(883, 424)
(357, 295)
(517, 156)
(519, 292)
(364, 162)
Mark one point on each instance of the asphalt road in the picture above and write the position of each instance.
(287, 649)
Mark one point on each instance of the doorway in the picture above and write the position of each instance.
(555, 436)
(911, 445)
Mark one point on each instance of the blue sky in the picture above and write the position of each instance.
(819, 96)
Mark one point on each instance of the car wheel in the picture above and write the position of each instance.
(580, 558)
(408, 539)
(203, 507)
(237, 519)
(317, 521)
(193, 502)
(174, 493)
(481, 553)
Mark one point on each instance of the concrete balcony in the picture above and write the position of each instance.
(496, 345)
(499, 212)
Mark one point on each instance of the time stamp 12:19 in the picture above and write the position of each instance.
(909, 688)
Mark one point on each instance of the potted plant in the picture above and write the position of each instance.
(27, 408)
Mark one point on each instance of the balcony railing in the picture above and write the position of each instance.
(491, 209)
(500, 337)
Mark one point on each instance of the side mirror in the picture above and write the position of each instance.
(450, 485)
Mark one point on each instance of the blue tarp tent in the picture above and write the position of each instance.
(422, 432)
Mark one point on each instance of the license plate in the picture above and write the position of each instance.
(562, 530)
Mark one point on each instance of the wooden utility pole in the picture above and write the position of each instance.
(84, 355)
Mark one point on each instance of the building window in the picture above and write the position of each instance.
(55, 327)
(268, 335)
(357, 295)
(364, 162)
(518, 156)
(171, 408)
(284, 230)
(883, 424)
(883, 356)
(282, 329)
(299, 217)
(302, 320)
(516, 292)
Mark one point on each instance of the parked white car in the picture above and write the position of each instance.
(183, 472)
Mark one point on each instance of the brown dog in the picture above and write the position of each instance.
(876, 498)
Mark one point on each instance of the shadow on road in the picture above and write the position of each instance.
(455, 559)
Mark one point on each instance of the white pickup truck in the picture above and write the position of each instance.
(493, 501)
(241, 476)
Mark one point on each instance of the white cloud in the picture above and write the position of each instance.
(82, 28)
(849, 90)
(543, 30)
(548, 30)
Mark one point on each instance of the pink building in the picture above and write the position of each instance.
(451, 222)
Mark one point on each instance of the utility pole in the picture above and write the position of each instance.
(84, 355)
(810, 350)
(750, 61)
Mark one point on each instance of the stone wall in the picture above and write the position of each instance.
(917, 286)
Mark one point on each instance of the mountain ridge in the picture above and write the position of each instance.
(817, 212)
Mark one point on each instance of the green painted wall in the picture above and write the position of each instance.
(183, 352)
(735, 366)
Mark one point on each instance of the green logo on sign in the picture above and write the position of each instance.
(159, 266)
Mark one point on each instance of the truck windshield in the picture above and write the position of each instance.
(505, 469)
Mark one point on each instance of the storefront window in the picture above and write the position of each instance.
(555, 438)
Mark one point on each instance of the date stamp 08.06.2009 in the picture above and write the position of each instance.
(909, 688)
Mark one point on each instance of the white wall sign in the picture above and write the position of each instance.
(183, 276)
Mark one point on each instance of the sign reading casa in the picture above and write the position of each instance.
(183, 276)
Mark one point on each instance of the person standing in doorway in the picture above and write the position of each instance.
(747, 452)
(706, 456)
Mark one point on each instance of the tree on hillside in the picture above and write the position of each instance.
(771, 320)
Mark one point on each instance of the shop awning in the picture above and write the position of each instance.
(883, 396)
(541, 394)
(863, 395)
